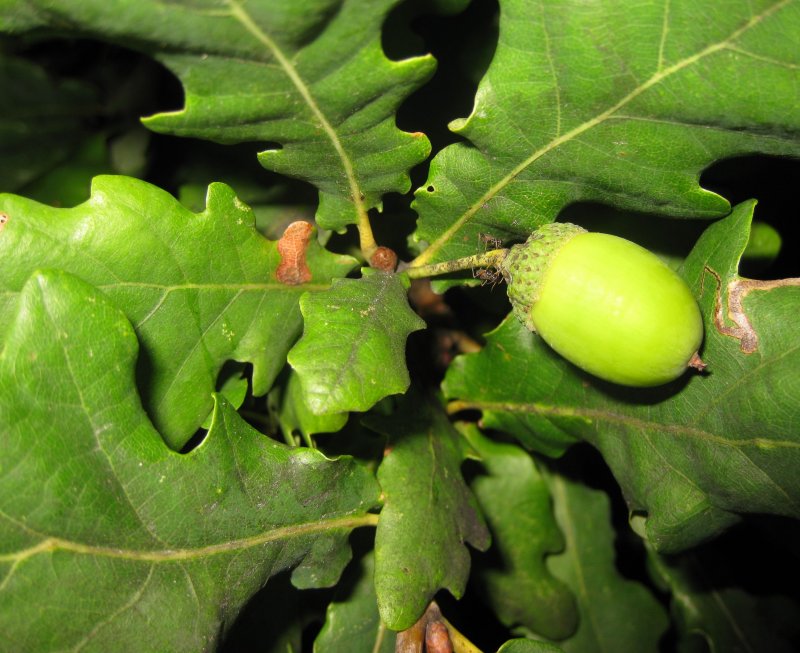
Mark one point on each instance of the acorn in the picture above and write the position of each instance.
(609, 306)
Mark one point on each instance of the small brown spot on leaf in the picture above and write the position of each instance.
(737, 290)
(4, 218)
(292, 247)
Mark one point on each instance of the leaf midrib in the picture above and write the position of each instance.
(548, 410)
(655, 79)
(52, 544)
(559, 492)
(169, 288)
(240, 14)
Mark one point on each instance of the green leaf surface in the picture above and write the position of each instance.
(515, 500)
(199, 288)
(429, 513)
(528, 646)
(615, 614)
(233, 385)
(690, 456)
(41, 120)
(507, 380)
(309, 75)
(612, 102)
(110, 541)
(353, 350)
(715, 615)
(288, 403)
(352, 622)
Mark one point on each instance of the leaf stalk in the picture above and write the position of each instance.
(490, 259)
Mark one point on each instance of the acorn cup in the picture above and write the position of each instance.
(607, 305)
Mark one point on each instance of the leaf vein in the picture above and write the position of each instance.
(589, 414)
(587, 125)
(249, 24)
(52, 544)
(137, 595)
(200, 341)
(89, 415)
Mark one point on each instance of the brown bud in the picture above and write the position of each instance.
(437, 639)
(384, 259)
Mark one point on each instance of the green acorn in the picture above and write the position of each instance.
(607, 305)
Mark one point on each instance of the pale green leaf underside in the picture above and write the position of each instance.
(614, 102)
(429, 513)
(199, 288)
(309, 75)
(352, 353)
(111, 541)
(691, 456)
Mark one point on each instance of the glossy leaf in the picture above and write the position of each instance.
(308, 75)
(191, 312)
(614, 613)
(529, 370)
(616, 103)
(429, 513)
(690, 456)
(111, 541)
(515, 500)
(353, 349)
(288, 403)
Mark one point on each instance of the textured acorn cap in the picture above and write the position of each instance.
(524, 267)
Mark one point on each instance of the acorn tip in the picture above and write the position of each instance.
(697, 363)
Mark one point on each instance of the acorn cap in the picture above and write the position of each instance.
(525, 266)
